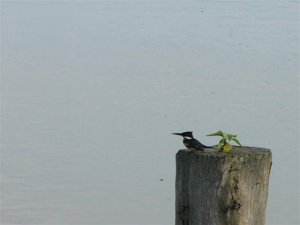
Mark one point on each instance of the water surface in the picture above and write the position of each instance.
(92, 90)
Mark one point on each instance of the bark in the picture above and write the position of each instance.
(217, 188)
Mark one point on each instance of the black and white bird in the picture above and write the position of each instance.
(190, 142)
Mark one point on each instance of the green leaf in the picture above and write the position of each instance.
(225, 135)
(218, 133)
(236, 141)
(221, 143)
(231, 136)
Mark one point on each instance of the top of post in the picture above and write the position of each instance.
(237, 151)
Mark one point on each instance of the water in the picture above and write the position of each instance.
(92, 90)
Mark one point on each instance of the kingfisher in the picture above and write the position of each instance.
(190, 142)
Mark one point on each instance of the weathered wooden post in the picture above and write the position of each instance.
(217, 188)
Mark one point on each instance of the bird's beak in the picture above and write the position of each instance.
(177, 134)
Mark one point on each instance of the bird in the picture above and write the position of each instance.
(190, 142)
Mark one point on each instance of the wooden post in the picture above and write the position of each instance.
(217, 188)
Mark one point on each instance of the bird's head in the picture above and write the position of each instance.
(185, 135)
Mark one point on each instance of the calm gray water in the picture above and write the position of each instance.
(92, 90)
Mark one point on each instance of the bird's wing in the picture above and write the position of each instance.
(198, 144)
(194, 144)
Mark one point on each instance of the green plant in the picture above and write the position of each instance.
(226, 138)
